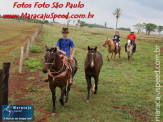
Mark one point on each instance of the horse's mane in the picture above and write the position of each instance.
(91, 49)
(107, 40)
(51, 49)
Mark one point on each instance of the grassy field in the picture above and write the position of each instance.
(126, 90)
(13, 35)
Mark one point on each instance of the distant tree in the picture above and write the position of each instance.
(105, 25)
(81, 23)
(139, 27)
(117, 13)
(74, 22)
(125, 29)
(150, 27)
(46, 21)
(68, 22)
(160, 28)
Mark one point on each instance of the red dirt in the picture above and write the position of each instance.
(18, 87)
(141, 115)
(161, 50)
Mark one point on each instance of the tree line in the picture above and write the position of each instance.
(28, 20)
(149, 27)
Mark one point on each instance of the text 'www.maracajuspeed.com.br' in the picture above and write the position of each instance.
(49, 16)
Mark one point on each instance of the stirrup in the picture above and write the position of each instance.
(45, 80)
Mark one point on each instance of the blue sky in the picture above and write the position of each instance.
(134, 11)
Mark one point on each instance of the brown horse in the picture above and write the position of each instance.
(93, 64)
(111, 48)
(58, 75)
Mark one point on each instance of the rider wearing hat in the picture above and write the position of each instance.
(116, 39)
(131, 37)
(64, 46)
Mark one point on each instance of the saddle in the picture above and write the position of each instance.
(119, 45)
(66, 61)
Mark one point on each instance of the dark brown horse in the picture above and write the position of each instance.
(58, 75)
(93, 64)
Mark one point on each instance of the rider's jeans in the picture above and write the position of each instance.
(116, 46)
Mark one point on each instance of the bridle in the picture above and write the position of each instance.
(55, 72)
(129, 43)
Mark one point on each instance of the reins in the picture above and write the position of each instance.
(55, 72)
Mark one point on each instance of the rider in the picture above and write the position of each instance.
(131, 37)
(116, 39)
(63, 47)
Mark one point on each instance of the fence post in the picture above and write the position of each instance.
(6, 67)
(21, 60)
(27, 49)
(32, 40)
(4, 76)
(1, 96)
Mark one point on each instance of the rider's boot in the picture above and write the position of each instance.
(125, 48)
(46, 80)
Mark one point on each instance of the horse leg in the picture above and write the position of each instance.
(63, 89)
(119, 53)
(88, 87)
(108, 56)
(131, 56)
(114, 55)
(96, 83)
(111, 56)
(54, 99)
(67, 93)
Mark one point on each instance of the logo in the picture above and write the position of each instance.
(17, 112)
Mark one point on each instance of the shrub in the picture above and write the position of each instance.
(33, 63)
(35, 49)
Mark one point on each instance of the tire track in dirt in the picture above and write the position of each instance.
(18, 44)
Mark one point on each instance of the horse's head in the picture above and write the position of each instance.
(106, 41)
(128, 42)
(49, 59)
(91, 56)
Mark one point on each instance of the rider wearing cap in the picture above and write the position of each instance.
(131, 37)
(116, 39)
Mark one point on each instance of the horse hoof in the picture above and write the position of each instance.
(53, 114)
(66, 104)
(93, 91)
(87, 101)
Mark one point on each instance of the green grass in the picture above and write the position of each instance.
(127, 85)
(35, 49)
(33, 63)
(30, 78)
(14, 34)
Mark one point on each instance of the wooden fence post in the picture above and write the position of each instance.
(4, 76)
(21, 60)
(6, 67)
(27, 49)
(1, 96)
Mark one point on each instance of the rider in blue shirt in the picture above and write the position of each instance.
(63, 47)
(64, 44)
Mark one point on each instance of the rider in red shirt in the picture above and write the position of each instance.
(132, 37)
